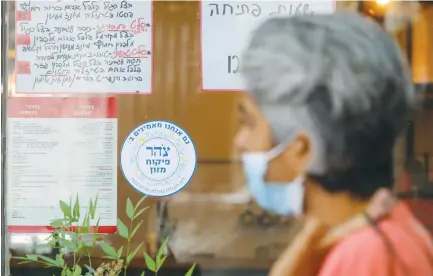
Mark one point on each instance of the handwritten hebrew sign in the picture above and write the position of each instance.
(225, 30)
(83, 46)
(158, 158)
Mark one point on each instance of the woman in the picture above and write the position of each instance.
(328, 97)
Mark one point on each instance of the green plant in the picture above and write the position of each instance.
(67, 236)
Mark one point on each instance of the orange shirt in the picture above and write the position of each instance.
(365, 253)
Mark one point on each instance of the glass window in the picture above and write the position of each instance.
(417, 185)
(213, 222)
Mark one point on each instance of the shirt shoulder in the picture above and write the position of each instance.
(397, 245)
(362, 253)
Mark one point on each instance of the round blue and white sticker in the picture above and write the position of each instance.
(158, 158)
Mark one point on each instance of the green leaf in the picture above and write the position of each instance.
(132, 255)
(142, 273)
(86, 221)
(67, 223)
(141, 212)
(49, 261)
(32, 257)
(73, 235)
(76, 211)
(80, 245)
(65, 271)
(91, 209)
(134, 231)
(109, 257)
(61, 233)
(160, 262)
(65, 209)
(69, 245)
(139, 203)
(95, 204)
(109, 250)
(57, 223)
(25, 262)
(150, 263)
(129, 209)
(191, 270)
(59, 260)
(77, 271)
(88, 244)
(95, 232)
(162, 249)
(53, 242)
(119, 252)
(122, 229)
(86, 224)
(70, 207)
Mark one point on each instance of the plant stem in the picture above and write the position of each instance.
(79, 258)
(128, 247)
(90, 260)
(76, 241)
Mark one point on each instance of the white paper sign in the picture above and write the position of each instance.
(83, 46)
(58, 148)
(225, 30)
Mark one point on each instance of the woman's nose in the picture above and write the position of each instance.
(241, 140)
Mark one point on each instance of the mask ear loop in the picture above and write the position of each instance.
(388, 245)
(277, 150)
(274, 152)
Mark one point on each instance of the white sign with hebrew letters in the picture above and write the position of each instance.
(158, 158)
(225, 30)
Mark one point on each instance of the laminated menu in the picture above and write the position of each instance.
(58, 149)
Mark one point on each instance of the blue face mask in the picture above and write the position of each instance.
(281, 198)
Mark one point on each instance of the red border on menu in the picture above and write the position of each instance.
(26, 16)
(29, 107)
(82, 108)
(49, 229)
(334, 5)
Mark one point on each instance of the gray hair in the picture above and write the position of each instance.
(338, 77)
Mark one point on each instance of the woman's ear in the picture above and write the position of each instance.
(292, 162)
(303, 145)
(300, 152)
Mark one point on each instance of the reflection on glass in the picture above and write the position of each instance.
(214, 218)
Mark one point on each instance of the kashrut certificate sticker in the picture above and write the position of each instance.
(158, 158)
